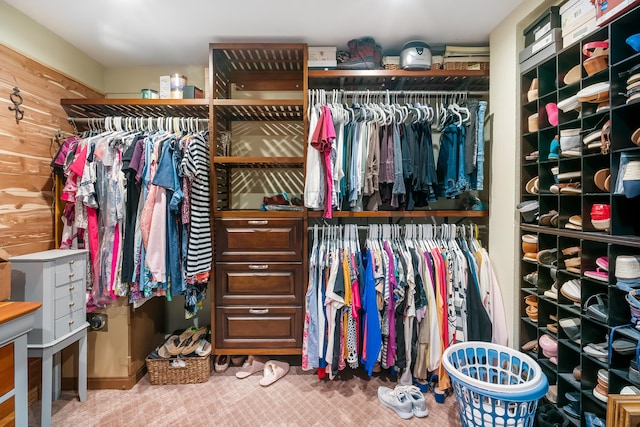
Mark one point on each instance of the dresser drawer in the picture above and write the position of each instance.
(76, 289)
(68, 304)
(69, 323)
(259, 283)
(6, 369)
(69, 269)
(259, 327)
(264, 239)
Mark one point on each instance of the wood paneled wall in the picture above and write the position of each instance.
(27, 148)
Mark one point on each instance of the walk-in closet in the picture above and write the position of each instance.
(241, 213)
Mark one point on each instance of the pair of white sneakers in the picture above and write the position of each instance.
(405, 400)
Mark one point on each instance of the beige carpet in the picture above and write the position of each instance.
(298, 399)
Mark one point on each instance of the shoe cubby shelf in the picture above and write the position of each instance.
(567, 188)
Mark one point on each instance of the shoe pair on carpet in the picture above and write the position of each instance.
(405, 400)
(272, 370)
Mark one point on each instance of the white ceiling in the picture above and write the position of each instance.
(168, 32)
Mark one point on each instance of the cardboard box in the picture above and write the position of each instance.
(541, 55)
(5, 280)
(547, 21)
(606, 10)
(551, 38)
(322, 57)
(575, 13)
(578, 33)
(192, 92)
(165, 87)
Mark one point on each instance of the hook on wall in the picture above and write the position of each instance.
(16, 98)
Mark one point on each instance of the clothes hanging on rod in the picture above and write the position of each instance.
(399, 300)
(137, 197)
(373, 153)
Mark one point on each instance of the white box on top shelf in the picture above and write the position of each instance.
(322, 57)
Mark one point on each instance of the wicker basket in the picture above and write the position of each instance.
(188, 370)
(391, 66)
(466, 66)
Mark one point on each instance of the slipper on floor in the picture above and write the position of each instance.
(273, 371)
(251, 366)
(222, 363)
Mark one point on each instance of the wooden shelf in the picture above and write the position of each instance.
(403, 214)
(255, 213)
(463, 80)
(258, 109)
(593, 236)
(259, 161)
(99, 108)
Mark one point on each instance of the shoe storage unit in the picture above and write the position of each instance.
(572, 299)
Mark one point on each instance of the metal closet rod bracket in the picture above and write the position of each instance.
(17, 100)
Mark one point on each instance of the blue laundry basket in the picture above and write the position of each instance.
(494, 385)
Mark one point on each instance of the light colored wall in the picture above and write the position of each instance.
(23, 34)
(506, 41)
(126, 82)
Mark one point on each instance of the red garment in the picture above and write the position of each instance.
(322, 140)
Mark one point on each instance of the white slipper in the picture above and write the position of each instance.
(273, 371)
(250, 367)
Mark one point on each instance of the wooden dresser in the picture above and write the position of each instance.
(258, 295)
(16, 320)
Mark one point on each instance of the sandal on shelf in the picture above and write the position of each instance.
(598, 274)
(572, 250)
(530, 346)
(532, 312)
(571, 327)
(273, 371)
(531, 300)
(552, 327)
(545, 219)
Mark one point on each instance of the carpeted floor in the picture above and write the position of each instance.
(298, 399)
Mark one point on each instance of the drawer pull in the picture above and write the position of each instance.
(71, 304)
(258, 310)
(71, 288)
(258, 222)
(72, 261)
(258, 266)
(71, 322)
(72, 274)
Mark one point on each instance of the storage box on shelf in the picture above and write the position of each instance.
(599, 221)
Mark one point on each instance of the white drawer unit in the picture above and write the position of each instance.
(57, 279)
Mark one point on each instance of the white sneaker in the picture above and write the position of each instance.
(397, 400)
(418, 403)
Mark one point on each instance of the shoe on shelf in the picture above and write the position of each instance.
(552, 293)
(571, 290)
(547, 257)
(601, 216)
(598, 274)
(571, 327)
(532, 278)
(530, 346)
(397, 400)
(603, 263)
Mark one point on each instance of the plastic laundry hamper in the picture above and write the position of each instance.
(494, 385)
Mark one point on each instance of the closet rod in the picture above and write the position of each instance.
(411, 92)
(366, 227)
(93, 119)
